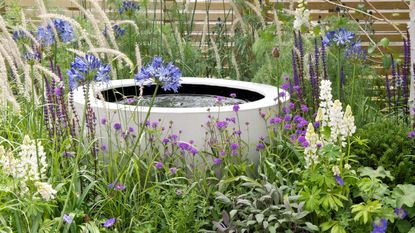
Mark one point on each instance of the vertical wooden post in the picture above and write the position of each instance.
(412, 39)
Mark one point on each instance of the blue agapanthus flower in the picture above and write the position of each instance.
(31, 57)
(129, 7)
(64, 30)
(83, 69)
(18, 35)
(380, 227)
(355, 51)
(340, 37)
(166, 75)
(119, 31)
(45, 35)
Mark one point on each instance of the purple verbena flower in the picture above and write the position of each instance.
(411, 134)
(260, 146)
(221, 125)
(117, 126)
(217, 161)
(236, 107)
(233, 95)
(173, 170)
(159, 165)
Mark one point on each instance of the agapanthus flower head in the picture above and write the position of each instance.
(109, 223)
(64, 30)
(355, 52)
(129, 7)
(32, 57)
(45, 35)
(19, 35)
(119, 31)
(166, 75)
(83, 69)
(340, 37)
(380, 226)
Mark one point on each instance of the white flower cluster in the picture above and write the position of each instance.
(331, 114)
(28, 166)
(302, 15)
(311, 150)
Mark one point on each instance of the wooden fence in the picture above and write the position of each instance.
(381, 18)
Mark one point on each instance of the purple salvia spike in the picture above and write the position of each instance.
(394, 80)
(324, 60)
(313, 83)
(388, 92)
(295, 76)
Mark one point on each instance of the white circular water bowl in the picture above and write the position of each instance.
(261, 98)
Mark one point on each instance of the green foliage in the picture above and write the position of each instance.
(389, 147)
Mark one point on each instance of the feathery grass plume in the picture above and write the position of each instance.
(118, 54)
(235, 66)
(217, 56)
(11, 63)
(107, 22)
(179, 42)
(83, 33)
(6, 94)
(23, 17)
(139, 62)
(129, 22)
(278, 25)
(77, 52)
(167, 44)
(47, 72)
(42, 9)
(204, 31)
(257, 12)
(238, 16)
(102, 42)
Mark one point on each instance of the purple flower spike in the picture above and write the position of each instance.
(109, 223)
(401, 213)
(339, 180)
(159, 165)
(411, 134)
(67, 219)
(304, 108)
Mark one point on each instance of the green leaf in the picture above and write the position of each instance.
(404, 194)
(384, 42)
(327, 225)
(386, 61)
(403, 226)
(371, 49)
(412, 230)
(364, 211)
(259, 218)
(311, 227)
(221, 197)
(338, 229)
(379, 172)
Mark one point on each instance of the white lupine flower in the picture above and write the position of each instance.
(302, 17)
(336, 123)
(326, 102)
(45, 190)
(336, 170)
(311, 150)
(10, 166)
(347, 166)
(348, 121)
(32, 159)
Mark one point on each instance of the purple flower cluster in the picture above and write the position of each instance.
(184, 146)
(166, 75)
(64, 30)
(83, 68)
(129, 7)
(45, 35)
(380, 227)
(119, 31)
(340, 37)
(109, 223)
(401, 213)
(117, 186)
